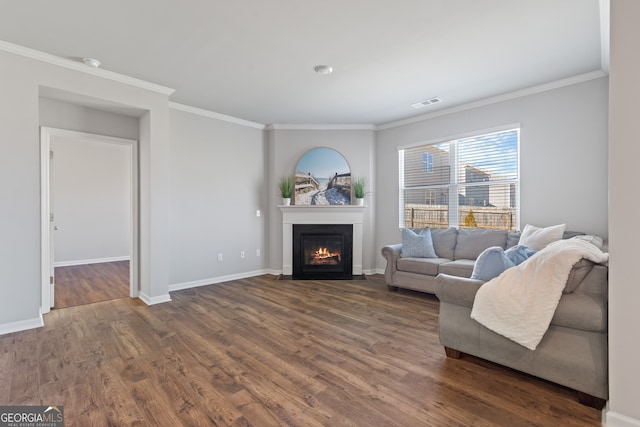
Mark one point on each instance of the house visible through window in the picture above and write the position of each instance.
(471, 181)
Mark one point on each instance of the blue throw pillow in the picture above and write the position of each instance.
(490, 263)
(416, 245)
(519, 253)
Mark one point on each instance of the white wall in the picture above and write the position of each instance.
(624, 205)
(563, 156)
(287, 146)
(20, 286)
(91, 191)
(217, 183)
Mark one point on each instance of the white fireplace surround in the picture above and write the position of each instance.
(308, 214)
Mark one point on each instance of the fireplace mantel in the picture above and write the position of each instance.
(309, 214)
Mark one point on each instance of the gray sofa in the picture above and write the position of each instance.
(457, 250)
(574, 350)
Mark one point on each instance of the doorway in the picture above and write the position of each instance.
(89, 218)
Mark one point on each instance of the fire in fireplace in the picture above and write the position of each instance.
(322, 251)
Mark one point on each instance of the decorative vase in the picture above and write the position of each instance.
(286, 201)
(360, 201)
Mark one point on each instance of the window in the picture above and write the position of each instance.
(472, 181)
(427, 162)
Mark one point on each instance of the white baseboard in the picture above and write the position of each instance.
(214, 280)
(221, 279)
(154, 300)
(22, 325)
(90, 261)
(614, 419)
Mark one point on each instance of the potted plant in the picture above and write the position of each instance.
(358, 190)
(286, 189)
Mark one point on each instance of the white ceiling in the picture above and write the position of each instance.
(254, 59)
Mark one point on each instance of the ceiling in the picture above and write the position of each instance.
(254, 59)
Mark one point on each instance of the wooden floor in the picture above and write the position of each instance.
(264, 352)
(89, 283)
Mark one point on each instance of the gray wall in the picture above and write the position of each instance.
(217, 183)
(101, 229)
(624, 152)
(20, 261)
(91, 195)
(563, 156)
(287, 146)
(66, 115)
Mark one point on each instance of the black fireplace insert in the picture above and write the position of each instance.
(322, 251)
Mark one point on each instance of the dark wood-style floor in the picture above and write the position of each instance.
(89, 283)
(266, 352)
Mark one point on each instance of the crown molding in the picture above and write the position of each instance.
(581, 78)
(217, 116)
(83, 68)
(321, 127)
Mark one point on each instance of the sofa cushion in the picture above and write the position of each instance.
(417, 245)
(444, 241)
(513, 237)
(459, 267)
(428, 266)
(490, 263)
(472, 241)
(577, 274)
(581, 311)
(538, 238)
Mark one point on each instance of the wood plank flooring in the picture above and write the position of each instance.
(264, 352)
(89, 283)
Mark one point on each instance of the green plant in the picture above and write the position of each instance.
(358, 188)
(286, 186)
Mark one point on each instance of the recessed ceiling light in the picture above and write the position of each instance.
(323, 69)
(91, 62)
(426, 102)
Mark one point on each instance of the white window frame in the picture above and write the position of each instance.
(454, 185)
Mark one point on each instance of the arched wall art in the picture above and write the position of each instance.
(322, 177)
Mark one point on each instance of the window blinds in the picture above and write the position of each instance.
(472, 181)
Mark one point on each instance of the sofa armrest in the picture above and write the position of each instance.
(392, 254)
(457, 290)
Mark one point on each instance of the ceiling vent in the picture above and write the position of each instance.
(424, 103)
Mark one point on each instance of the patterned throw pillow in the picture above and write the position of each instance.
(416, 245)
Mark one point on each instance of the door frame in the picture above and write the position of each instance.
(45, 192)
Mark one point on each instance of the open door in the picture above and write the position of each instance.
(49, 223)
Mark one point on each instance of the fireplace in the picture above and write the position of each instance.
(322, 251)
(351, 215)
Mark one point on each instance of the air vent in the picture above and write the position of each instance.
(424, 103)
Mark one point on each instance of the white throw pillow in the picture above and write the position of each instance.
(594, 240)
(537, 238)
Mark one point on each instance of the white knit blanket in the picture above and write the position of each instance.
(520, 303)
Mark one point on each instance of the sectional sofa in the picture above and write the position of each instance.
(574, 350)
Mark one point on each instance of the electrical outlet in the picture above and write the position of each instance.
(257, 252)
(258, 212)
(220, 257)
(241, 254)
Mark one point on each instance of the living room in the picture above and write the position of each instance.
(204, 176)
